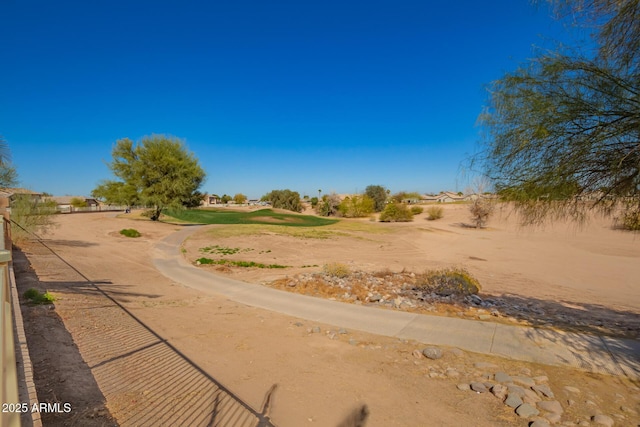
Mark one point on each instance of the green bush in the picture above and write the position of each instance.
(435, 212)
(130, 232)
(356, 206)
(396, 212)
(336, 269)
(34, 296)
(210, 261)
(417, 210)
(452, 281)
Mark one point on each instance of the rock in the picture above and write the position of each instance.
(526, 411)
(525, 381)
(353, 342)
(513, 401)
(484, 317)
(417, 354)
(342, 331)
(316, 330)
(501, 377)
(452, 373)
(463, 387)
(475, 299)
(432, 353)
(478, 387)
(541, 379)
(628, 410)
(602, 420)
(298, 324)
(499, 391)
(375, 298)
(552, 406)
(540, 423)
(543, 390)
(553, 418)
(516, 390)
(570, 389)
(530, 397)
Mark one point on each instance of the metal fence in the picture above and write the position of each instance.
(9, 376)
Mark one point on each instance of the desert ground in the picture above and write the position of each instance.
(90, 350)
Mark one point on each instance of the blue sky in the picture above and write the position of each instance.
(306, 95)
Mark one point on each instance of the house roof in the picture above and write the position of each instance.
(65, 200)
(6, 192)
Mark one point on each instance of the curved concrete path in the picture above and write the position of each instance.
(588, 352)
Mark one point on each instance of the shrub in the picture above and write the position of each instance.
(284, 199)
(481, 209)
(329, 205)
(631, 221)
(435, 212)
(34, 296)
(417, 210)
(356, 206)
(336, 269)
(130, 232)
(396, 212)
(452, 281)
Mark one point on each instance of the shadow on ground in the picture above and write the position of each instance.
(144, 378)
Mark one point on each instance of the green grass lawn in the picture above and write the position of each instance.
(262, 216)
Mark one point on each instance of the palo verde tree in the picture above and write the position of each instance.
(162, 171)
(8, 175)
(563, 130)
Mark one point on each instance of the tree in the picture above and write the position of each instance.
(225, 199)
(163, 173)
(78, 202)
(31, 215)
(239, 198)
(8, 174)
(562, 131)
(116, 193)
(379, 195)
(284, 199)
(329, 205)
(356, 206)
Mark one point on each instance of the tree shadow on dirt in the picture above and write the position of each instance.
(70, 243)
(566, 315)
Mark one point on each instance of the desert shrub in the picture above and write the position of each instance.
(452, 281)
(36, 297)
(130, 232)
(336, 269)
(417, 210)
(357, 206)
(284, 199)
(435, 212)
(396, 212)
(226, 262)
(329, 205)
(631, 221)
(481, 209)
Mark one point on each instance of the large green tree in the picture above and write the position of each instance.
(379, 195)
(161, 171)
(563, 130)
(284, 199)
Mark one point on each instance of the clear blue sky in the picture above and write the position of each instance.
(306, 95)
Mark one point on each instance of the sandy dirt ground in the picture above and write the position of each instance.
(137, 349)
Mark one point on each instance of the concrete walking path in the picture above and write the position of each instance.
(593, 353)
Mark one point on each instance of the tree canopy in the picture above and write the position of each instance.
(8, 174)
(562, 131)
(379, 195)
(284, 199)
(158, 172)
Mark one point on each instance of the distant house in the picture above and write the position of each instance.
(7, 195)
(64, 203)
(449, 197)
(429, 198)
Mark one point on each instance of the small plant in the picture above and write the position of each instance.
(36, 297)
(336, 269)
(435, 212)
(417, 210)
(203, 261)
(130, 232)
(222, 250)
(452, 281)
(396, 212)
